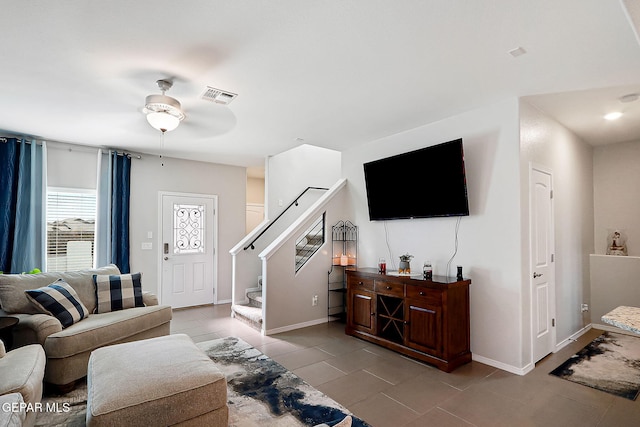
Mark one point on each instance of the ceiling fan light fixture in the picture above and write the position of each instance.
(163, 112)
(162, 121)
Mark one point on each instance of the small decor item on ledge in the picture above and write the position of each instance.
(617, 244)
(405, 264)
(382, 266)
(459, 275)
(427, 271)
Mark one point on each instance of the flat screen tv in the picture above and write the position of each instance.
(425, 183)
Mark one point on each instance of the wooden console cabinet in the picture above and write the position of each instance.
(424, 319)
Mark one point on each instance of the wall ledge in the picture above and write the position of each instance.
(614, 256)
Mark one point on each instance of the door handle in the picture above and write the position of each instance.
(536, 275)
(166, 258)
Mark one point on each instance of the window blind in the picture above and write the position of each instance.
(71, 222)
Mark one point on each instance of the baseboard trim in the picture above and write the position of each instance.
(296, 326)
(562, 344)
(518, 371)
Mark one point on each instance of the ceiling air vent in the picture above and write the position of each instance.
(218, 96)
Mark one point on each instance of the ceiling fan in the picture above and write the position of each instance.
(164, 113)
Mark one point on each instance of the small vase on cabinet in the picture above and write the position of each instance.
(405, 264)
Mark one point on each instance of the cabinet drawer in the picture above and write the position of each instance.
(429, 296)
(355, 282)
(390, 288)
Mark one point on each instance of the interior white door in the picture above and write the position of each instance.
(188, 250)
(542, 271)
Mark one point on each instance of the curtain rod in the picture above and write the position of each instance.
(70, 146)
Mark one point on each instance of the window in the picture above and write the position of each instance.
(71, 223)
(188, 229)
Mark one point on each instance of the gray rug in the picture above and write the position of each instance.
(609, 363)
(261, 393)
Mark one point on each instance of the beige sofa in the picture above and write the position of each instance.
(68, 349)
(21, 372)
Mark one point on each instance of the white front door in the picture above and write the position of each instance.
(188, 249)
(542, 271)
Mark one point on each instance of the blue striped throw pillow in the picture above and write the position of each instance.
(59, 300)
(117, 292)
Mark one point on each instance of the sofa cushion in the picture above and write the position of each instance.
(99, 330)
(12, 287)
(60, 301)
(117, 292)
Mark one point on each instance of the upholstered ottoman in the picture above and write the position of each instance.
(160, 381)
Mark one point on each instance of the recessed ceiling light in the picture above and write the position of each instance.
(615, 115)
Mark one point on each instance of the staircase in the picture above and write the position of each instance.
(296, 239)
(251, 312)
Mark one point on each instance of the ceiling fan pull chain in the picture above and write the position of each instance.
(161, 148)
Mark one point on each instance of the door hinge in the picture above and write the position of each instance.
(551, 194)
(553, 257)
(553, 323)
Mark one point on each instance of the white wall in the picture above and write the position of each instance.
(614, 282)
(616, 170)
(289, 173)
(617, 206)
(547, 143)
(76, 166)
(148, 177)
(489, 239)
(255, 190)
(72, 166)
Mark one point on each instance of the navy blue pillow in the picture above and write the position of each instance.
(59, 300)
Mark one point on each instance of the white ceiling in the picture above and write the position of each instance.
(332, 73)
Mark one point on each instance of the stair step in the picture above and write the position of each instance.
(248, 314)
(255, 298)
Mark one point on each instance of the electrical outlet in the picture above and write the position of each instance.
(584, 307)
(314, 300)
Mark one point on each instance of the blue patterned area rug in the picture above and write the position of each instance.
(609, 363)
(261, 392)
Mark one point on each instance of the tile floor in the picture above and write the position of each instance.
(387, 389)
